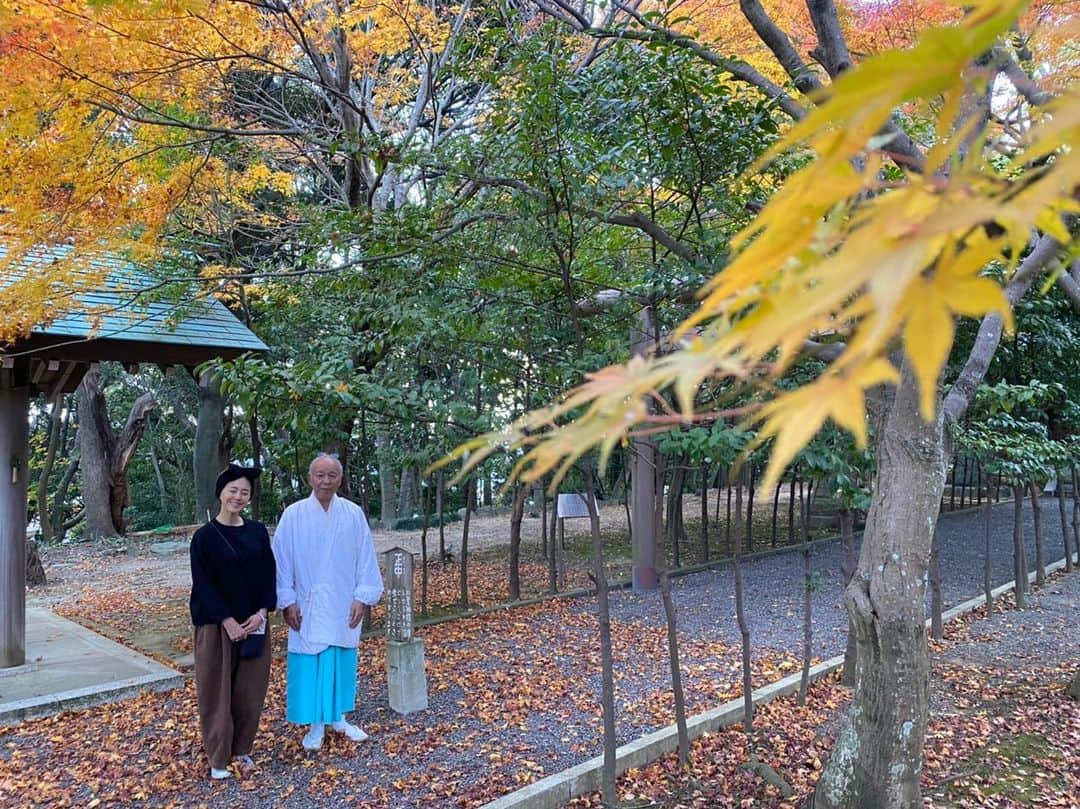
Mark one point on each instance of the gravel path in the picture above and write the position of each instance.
(772, 584)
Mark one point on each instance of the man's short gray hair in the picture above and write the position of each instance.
(331, 455)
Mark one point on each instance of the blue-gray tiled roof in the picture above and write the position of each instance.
(118, 312)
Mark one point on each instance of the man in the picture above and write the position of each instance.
(326, 573)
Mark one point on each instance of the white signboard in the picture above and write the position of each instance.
(573, 505)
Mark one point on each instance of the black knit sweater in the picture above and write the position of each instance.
(232, 572)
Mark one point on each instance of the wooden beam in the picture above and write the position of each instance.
(61, 382)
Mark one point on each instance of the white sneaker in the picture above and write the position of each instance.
(220, 775)
(244, 761)
(314, 738)
(350, 730)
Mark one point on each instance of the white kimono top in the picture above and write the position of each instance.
(325, 561)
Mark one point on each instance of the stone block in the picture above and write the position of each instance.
(406, 675)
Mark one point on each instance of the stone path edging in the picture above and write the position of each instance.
(75, 640)
(556, 790)
(20, 710)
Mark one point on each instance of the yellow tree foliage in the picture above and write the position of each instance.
(119, 115)
(846, 248)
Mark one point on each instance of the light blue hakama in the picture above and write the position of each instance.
(320, 687)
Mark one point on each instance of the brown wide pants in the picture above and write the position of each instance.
(231, 692)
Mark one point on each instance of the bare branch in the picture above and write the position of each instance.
(832, 49)
(777, 42)
(1023, 83)
(962, 392)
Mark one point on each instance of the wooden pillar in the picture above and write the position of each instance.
(643, 539)
(14, 449)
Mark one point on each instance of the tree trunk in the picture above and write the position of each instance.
(848, 565)
(607, 675)
(96, 439)
(750, 509)
(516, 516)
(674, 510)
(387, 481)
(407, 492)
(1076, 512)
(791, 515)
(60, 499)
(1073, 689)
(256, 456)
(544, 520)
(425, 504)
(727, 523)
(35, 570)
(808, 606)
(470, 503)
(43, 512)
(1065, 529)
(988, 545)
(211, 455)
(340, 446)
(553, 568)
(673, 661)
(105, 456)
(740, 615)
(877, 758)
(440, 489)
(704, 512)
(1040, 534)
(1020, 582)
(775, 512)
(159, 478)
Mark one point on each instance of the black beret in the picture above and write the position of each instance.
(233, 472)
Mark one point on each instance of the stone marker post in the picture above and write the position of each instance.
(404, 653)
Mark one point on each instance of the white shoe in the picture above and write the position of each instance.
(314, 738)
(244, 761)
(350, 730)
(220, 775)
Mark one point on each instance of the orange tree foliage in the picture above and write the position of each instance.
(872, 27)
(118, 117)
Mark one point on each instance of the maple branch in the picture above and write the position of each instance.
(988, 337)
(171, 122)
(777, 41)
(652, 32)
(826, 352)
(635, 220)
(608, 298)
(652, 229)
(832, 50)
(1019, 78)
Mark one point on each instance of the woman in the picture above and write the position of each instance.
(232, 592)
